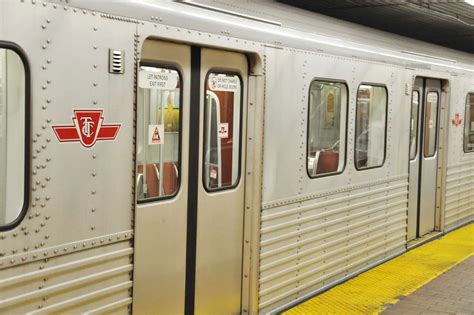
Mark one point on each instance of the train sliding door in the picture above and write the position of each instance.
(220, 204)
(191, 122)
(162, 149)
(424, 136)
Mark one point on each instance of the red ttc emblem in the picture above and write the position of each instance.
(456, 121)
(87, 128)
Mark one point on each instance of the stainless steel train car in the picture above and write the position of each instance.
(217, 157)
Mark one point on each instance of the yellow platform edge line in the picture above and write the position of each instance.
(369, 292)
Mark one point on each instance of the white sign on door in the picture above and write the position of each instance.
(433, 98)
(156, 134)
(157, 80)
(223, 83)
(223, 130)
(213, 173)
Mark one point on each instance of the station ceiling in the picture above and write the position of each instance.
(448, 23)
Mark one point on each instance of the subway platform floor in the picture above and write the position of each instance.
(450, 293)
(434, 278)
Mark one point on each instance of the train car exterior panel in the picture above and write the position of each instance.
(73, 250)
(78, 246)
(313, 237)
(459, 186)
(67, 282)
(296, 33)
(459, 192)
(312, 243)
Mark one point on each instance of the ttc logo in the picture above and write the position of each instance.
(457, 120)
(87, 128)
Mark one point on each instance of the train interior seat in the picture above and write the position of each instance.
(153, 178)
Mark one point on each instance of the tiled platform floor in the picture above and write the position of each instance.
(450, 293)
(433, 278)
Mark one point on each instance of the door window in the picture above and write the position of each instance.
(222, 112)
(371, 120)
(12, 136)
(431, 124)
(158, 133)
(469, 124)
(326, 128)
(415, 102)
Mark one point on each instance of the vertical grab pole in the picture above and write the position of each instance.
(160, 175)
(219, 142)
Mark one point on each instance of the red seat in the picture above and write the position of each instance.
(328, 162)
(153, 177)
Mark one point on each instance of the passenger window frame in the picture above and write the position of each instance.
(346, 133)
(178, 69)
(218, 70)
(417, 119)
(438, 108)
(385, 129)
(27, 127)
(464, 125)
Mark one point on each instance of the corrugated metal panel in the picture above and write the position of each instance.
(94, 279)
(459, 195)
(309, 245)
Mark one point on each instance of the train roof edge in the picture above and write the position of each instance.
(278, 24)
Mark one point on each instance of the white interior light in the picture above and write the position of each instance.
(471, 2)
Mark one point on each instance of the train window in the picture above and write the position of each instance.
(158, 132)
(415, 102)
(370, 131)
(326, 139)
(469, 124)
(13, 100)
(431, 124)
(222, 127)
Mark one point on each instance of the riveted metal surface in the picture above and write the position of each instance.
(75, 241)
(253, 194)
(315, 232)
(459, 187)
(305, 234)
(302, 30)
(55, 283)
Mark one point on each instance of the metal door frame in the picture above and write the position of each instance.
(441, 143)
(422, 147)
(443, 137)
(253, 159)
(413, 200)
(222, 61)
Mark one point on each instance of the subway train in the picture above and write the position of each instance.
(217, 157)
